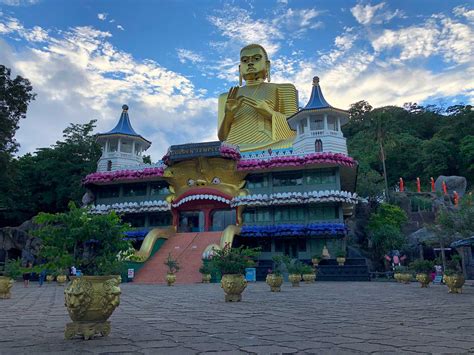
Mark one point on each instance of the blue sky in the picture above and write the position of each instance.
(169, 60)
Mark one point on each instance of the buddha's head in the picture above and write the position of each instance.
(254, 63)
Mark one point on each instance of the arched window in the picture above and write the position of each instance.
(318, 146)
(109, 165)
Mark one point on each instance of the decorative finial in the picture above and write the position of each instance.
(316, 80)
(125, 107)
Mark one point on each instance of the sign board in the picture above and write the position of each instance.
(251, 274)
(193, 150)
(131, 273)
(438, 279)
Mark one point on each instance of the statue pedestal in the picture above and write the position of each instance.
(87, 330)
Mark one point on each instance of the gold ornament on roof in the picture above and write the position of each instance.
(253, 116)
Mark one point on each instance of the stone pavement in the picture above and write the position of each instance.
(322, 318)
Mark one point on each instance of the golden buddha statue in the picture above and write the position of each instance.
(254, 116)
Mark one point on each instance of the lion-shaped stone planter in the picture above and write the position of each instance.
(423, 279)
(275, 282)
(294, 279)
(90, 301)
(6, 285)
(405, 278)
(454, 283)
(170, 279)
(206, 278)
(309, 278)
(49, 278)
(397, 276)
(61, 280)
(233, 286)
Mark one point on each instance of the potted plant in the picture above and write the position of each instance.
(341, 257)
(423, 269)
(92, 242)
(453, 276)
(315, 259)
(294, 270)
(12, 272)
(401, 274)
(206, 272)
(274, 277)
(173, 268)
(231, 263)
(308, 273)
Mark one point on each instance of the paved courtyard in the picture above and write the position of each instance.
(323, 318)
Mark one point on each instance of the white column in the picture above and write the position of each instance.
(339, 124)
(308, 123)
(106, 149)
(325, 122)
(298, 128)
(133, 148)
(119, 145)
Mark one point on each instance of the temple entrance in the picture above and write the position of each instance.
(220, 219)
(191, 221)
(287, 247)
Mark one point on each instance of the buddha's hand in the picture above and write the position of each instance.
(233, 102)
(261, 106)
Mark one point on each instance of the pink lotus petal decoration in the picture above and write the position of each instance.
(279, 161)
(123, 175)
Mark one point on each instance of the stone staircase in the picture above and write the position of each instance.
(187, 248)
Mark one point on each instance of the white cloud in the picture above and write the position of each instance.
(368, 14)
(120, 27)
(186, 55)
(102, 16)
(19, 2)
(79, 75)
(461, 11)
(12, 26)
(437, 36)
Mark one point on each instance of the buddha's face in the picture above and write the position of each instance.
(253, 63)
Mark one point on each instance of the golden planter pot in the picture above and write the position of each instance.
(341, 261)
(309, 278)
(454, 283)
(61, 279)
(274, 282)
(90, 301)
(423, 279)
(315, 261)
(49, 278)
(233, 286)
(294, 279)
(6, 285)
(398, 277)
(206, 278)
(170, 279)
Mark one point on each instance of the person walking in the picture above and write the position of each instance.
(42, 277)
(27, 275)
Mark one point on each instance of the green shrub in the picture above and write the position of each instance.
(13, 269)
(422, 266)
(306, 269)
(205, 269)
(172, 264)
(230, 260)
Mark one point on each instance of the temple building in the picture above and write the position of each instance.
(286, 184)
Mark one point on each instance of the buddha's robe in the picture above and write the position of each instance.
(249, 129)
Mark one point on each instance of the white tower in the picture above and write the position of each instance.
(318, 125)
(122, 147)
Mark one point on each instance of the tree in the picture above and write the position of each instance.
(384, 229)
(358, 110)
(15, 95)
(91, 242)
(51, 177)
